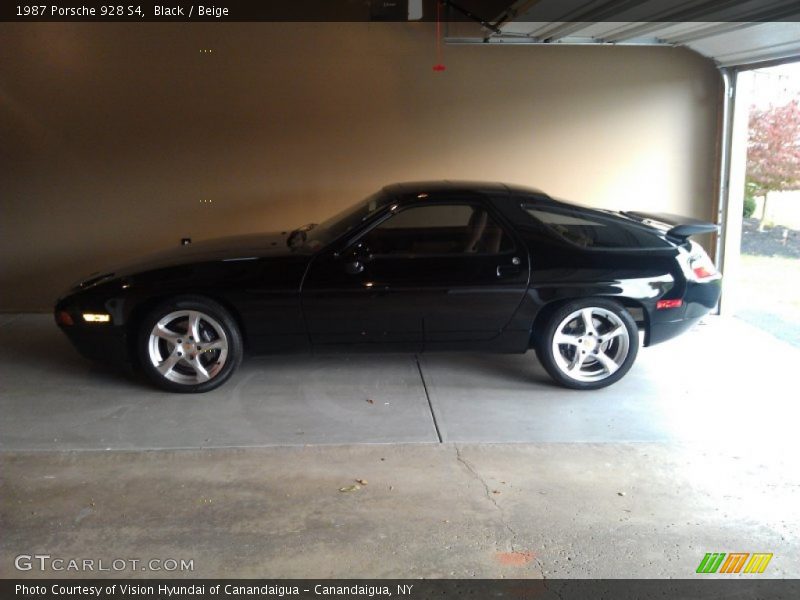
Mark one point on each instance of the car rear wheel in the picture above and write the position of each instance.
(189, 345)
(588, 344)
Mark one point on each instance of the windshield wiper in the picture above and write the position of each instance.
(299, 234)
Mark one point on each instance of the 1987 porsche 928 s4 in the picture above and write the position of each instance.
(414, 267)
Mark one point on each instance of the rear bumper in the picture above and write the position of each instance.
(666, 330)
(699, 299)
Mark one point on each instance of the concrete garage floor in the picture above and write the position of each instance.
(693, 452)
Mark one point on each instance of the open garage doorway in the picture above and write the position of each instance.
(764, 276)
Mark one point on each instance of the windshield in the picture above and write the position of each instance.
(344, 221)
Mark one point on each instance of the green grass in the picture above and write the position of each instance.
(772, 282)
(769, 290)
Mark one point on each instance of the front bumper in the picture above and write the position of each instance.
(103, 342)
(108, 346)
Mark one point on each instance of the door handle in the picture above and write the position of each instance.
(512, 269)
(506, 270)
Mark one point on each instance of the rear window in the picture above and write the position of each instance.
(593, 231)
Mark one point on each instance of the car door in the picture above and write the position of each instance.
(431, 272)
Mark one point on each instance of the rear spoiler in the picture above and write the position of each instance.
(677, 227)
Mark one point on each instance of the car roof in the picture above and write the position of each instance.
(408, 188)
(501, 193)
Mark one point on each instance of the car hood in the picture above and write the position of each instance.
(233, 248)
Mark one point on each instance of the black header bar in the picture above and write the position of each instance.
(491, 12)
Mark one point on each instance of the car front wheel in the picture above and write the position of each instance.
(189, 345)
(588, 344)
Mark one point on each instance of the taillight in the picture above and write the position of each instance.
(702, 272)
(701, 264)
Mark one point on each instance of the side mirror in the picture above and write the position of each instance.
(354, 259)
(353, 267)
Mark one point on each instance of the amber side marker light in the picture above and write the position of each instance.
(64, 318)
(96, 317)
(662, 304)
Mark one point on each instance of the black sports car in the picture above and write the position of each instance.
(414, 267)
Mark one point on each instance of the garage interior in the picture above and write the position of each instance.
(121, 139)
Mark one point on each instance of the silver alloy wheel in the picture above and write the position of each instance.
(188, 347)
(590, 344)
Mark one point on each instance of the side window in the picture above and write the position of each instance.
(592, 231)
(438, 229)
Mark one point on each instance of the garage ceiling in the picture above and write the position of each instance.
(730, 32)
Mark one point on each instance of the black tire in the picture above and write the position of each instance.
(198, 364)
(587, 361)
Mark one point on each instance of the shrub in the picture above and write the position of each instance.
(749, 207)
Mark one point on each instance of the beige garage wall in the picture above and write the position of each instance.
(112, 135)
